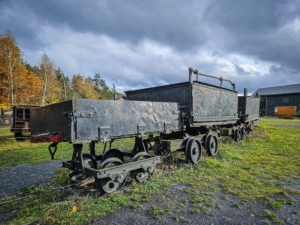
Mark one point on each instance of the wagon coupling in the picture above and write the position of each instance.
(52, 149)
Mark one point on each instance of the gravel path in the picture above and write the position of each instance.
(14, 179)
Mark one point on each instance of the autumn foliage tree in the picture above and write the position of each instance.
(44, 83)
(51, 89)
(28, 89)
(84, 88)
(10, 60)
(18, 85)
(92, 88)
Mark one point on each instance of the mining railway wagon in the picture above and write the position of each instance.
(6, 116)
(202, 104)
(190, 116)
(21, 120)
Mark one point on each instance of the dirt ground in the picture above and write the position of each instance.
(225, 209)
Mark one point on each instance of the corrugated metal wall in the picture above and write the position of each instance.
(280, 100)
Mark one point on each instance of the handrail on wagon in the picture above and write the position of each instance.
(191, 71)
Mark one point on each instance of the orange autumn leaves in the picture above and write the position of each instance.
(44, 83)
(17, 84)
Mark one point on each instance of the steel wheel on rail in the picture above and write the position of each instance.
(108, 185)
(89, 161)
(193, 150)
(141, 175)
(249, 128)
(211, 145)
(113, 153)
(243, 133)
(6, 121)
(186, 147)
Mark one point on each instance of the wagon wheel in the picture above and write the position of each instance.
(243, 133)
(89, 161)
(193, 150)
(249, 128)
(113, 153)
(186, 146)
(140, 174)
(6, 121)
(211, 145)
(108, 185)
(237, 135)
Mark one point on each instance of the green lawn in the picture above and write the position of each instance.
(14, 152)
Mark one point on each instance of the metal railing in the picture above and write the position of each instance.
(221, 79)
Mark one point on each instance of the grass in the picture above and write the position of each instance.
(18, 152)
(259, 168)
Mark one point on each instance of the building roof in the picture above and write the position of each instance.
(279, 90)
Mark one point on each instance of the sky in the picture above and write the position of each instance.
(135, 44)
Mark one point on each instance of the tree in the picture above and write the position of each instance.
(64, 83)
(97, 80)
(114, 92)
(84, 87)
(51, 87)
(77, 86)
(44, 83)
(101, 87)
(10, 62)
(28, 88)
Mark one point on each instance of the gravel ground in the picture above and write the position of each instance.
(14, 179)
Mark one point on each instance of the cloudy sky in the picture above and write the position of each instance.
(136, 44)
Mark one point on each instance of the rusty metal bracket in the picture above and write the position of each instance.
(53, 137)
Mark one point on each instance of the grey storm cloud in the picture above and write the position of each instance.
(136, 44)
(171, 22)
(268, 30)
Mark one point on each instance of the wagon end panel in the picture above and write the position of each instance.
(212, 104)
(248, 108)
(107, 119)
(179, 93)
(53, 119)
